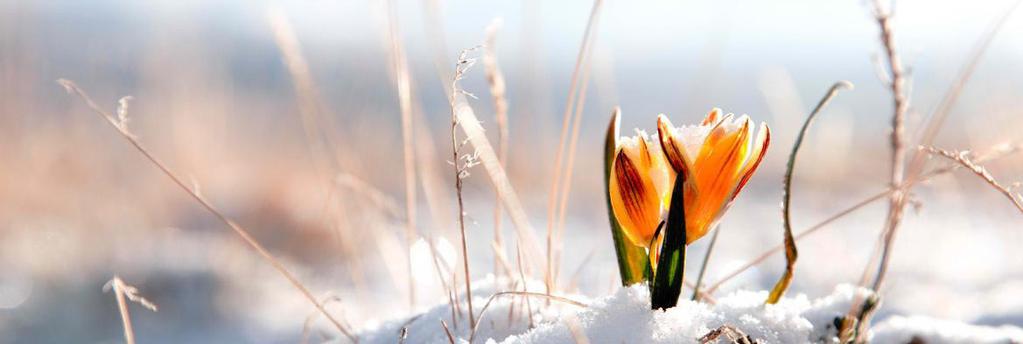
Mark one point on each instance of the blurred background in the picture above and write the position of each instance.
(214, 99)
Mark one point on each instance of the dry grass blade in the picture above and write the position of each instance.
(123, 290)
(703, 265)
(374, 195)
(449, 291)
(484, 151)
(307, 325)
(791, 253)
(963, 158)
(311, 107)
(937, 118)
(523, 293)
(447, 331)
(566, 181)
(495, 78)
(552, 197)
(319, 141)
(244, 234)
(525, 287)
(403, 82)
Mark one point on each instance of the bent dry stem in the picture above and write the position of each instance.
(791, 253)
(119, 125)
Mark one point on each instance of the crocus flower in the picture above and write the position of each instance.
(717, 158)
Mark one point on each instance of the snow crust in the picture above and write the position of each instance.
(626, 317)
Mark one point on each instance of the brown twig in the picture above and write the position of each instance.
(896, 200)
(244, 234)
(124, 291)
(963, 158)
(552, 196)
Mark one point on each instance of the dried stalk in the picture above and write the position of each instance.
(963, 158)
(525, 286)
(703, 265)
(403, 82)
(495, 78)
(484, 152)
(374, 195)
(937, 118)
(319, 141)
(123, 291)
(447, 331)
(307, 325)
(122, 129)
(449, 291)
(461, 170)
(790, 243)
(897, 199)
(566, 182)
(552, 196)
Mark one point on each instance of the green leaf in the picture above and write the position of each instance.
(671, 265)
(633, 262)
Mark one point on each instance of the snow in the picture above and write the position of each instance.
(899, 329)
(625, 317)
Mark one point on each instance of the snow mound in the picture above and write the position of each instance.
(625, 317)
(899, 329)
(505, 316)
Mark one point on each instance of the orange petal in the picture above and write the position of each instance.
(716, 172)
(759, 149)
(716, 133)
(634, 200)
(712, 117)
(674, 150)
